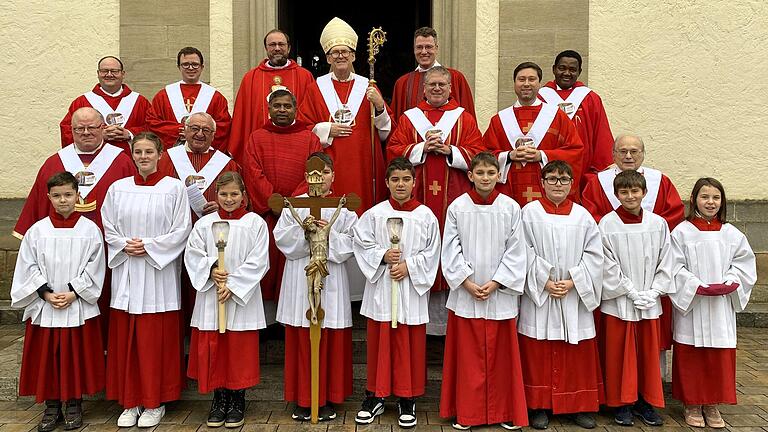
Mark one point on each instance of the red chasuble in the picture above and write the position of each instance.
(162, 121)
(37, 205)
(561, 142)
(359, 165)
(136, 122)
(274, 162)
(251, 111)
(198, 160)
(595, 132)
(409, 91)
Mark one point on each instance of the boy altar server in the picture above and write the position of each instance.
(227, 363)
(336, 332)
(638, 265)
(396, 356)
(558, 350)
(484, 263)
(58, 278)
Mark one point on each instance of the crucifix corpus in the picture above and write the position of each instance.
(317, 269)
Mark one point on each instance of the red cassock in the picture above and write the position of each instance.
(359, 163)
(437, 184)
(162, 121)
(409, 91)
(561, 142)
(136, 122)
(251, 111)
(704, 376)
(229, 360)
(396, 359)
(595, 132)
(482, 376)
(274, 162)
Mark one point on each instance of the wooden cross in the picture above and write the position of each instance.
(530, 194)
(188, 104)
(435, 187)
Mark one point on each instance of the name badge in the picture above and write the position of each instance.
(114, 118)
(85, 178)
(524, 141)
(567, 108)
(197, 180)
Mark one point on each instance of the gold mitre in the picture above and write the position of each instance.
(338, 32)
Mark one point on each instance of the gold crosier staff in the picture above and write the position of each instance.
(376, 38)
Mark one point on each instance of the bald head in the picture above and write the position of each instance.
(628, 152)
(87, 129)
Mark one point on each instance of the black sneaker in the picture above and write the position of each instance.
(647, 413)
(302, 413)
(623, 416)
(407, 413)
(51, 416)
(326, 413)
(236, 410)
(219, 406)
(73, 414)
(538, 419)
(585, 420)
(372, 407)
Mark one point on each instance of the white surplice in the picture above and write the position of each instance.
(59, 257)
(710, 257)
(420, 248)
(483, 243)
(638, 257)
(334, 298)
(245, 259)
(561, 247)
(160, 216)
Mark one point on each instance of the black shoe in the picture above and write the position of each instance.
(647, 413)
(73, 414)
(219, 406)
(51, 416)
(585, 420)
(538, 419)
(326, 413)
(407, 412)
(623, 416)
(302, 413)
(372, 407)
(236, 410)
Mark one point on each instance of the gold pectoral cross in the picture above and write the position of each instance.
(435, 187)
(530, 194)
(188, 104)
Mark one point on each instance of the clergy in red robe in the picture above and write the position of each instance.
(408, 90)
(338, 109)
(274, 162)
(124, 110)
(585, 108)
(275, 72)
(440, 139)
(528, 135)
(190, 95)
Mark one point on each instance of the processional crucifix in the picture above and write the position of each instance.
(317, 269)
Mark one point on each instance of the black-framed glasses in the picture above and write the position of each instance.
(190, 66)
(555, 180)
(342, 54)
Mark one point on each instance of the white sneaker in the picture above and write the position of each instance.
(151, 417)
(129, 417)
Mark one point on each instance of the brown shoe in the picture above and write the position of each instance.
(693, 416)
(713, 417)
(73, 414)
(51, 416)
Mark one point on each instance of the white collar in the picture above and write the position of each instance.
(115, 94)
(421, 69)
(617, 170)
(189, 150)
(537, 102)
(78, 151)
(351, 77)
(444, 104)
(266, 63)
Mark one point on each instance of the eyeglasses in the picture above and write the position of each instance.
(84, 129)
(555, 180)
(424, 47)
(198, 129)
(190, 66)
(437, 85)
(343, 54)
(106, 72)
(277, 44)
(632, 153)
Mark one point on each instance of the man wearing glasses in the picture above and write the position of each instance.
(178, 100)
(276, 72)
(124, 110)
(408, 90)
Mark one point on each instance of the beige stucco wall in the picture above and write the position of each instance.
(688, 76)
(50, 51)
(221, 62)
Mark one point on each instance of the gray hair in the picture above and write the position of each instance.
(623, 136)
(438, 70)
(204, 115)
(82, 111)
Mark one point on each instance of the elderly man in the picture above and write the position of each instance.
(275, 72)
(440, 138)
(585, 108)
(338, 109)
(529, 134)
(172, 104)
(125, 110)
(408, 88)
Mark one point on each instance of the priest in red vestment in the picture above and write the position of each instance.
(585, 108)
(338, 110)
(124, 110)
(408, 90)
(529, 134)
(190, 95)
(275, 72)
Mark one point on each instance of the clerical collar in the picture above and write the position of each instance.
(629, 218)
(410, 205)
(705, 225)
(479, 200)
(563, 209)
(59, 221)
(151, 180)
(78, 151)
(115, 94)
(237, 214)
(350, 78)
(537, 102)
(421, 69)
(269, 65)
